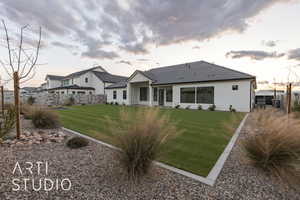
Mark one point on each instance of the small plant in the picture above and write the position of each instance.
(177, 106)
(124, 104)
(141, 136)
(43, 118)
(77, 142)
(111, 103)
(7, 123)
(188, 107)
(70, 101)
(199, 107)
(231, 109)
(212, 107)
(116, 103)
(275, 148)
(30, 100)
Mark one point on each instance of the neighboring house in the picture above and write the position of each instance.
(267, 96)
(90, 81)
(27, 91)
(187, 85)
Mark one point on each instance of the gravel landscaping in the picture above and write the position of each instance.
(95, 174)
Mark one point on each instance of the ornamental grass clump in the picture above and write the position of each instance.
(45, 119)
(8, 121)
(141, 135)
(275, 146)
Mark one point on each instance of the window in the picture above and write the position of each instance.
(124, 94)
(143, 94)
(205, 95)
(80, 92)
(187, 95)
(91, 92)
(154, 94)
(169, 95)
(73, 92)
(114, 94)
(86, 80)
(62, 92)
(235, 87)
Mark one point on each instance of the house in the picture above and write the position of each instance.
(187, 85)
(28, 90)
(89, 81)
(266, 97)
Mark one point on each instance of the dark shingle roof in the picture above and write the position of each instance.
(82, 72)
(54, 77)
(199, 71)
(73, 87)
(121, 84)
(110, 78)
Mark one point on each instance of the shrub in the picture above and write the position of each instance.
(296, 107)
(31, 100)
(177, 106)
(26, 110)
(116, 103)
(275, 148)
(77, 142)
(70, 101)
(188, 107)
(212, 107)
(111, 103)
(8, 121)
(141, 136)
(43, 118)
(199, 107)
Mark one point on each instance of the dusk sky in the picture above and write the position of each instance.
(260, 37)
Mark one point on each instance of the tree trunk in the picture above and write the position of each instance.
(17, 103)
(2, 100)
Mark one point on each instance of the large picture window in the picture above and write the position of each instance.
(143, 94)
(115, 95)
(205, 95)
(187, 95)
(169, 95)
(154, 94)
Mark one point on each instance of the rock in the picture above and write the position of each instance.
(27, 133)
(7, 142)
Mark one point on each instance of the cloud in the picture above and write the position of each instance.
(125, 62)
(64, 45)
(196, 47)
(294, 54)
(100, 54)
(95, 24)
(143, 59)
(269, 43)
(254, 55)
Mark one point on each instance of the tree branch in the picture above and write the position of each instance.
(36, 57)
(8, 46)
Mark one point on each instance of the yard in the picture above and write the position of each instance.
(195, 150)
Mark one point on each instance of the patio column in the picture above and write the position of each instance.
(150, 95)
(128, 94)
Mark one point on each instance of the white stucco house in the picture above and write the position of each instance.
(89, 81)
(187, 85)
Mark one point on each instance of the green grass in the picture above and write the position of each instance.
(196, 149)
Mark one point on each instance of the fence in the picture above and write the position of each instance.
(59, 99)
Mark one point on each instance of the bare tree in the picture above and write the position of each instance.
(20, 65)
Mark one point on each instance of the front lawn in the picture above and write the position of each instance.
(196, 150)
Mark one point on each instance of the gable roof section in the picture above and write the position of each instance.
(83, 72)
(54, 77)
(110, 78)
(199, 71)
